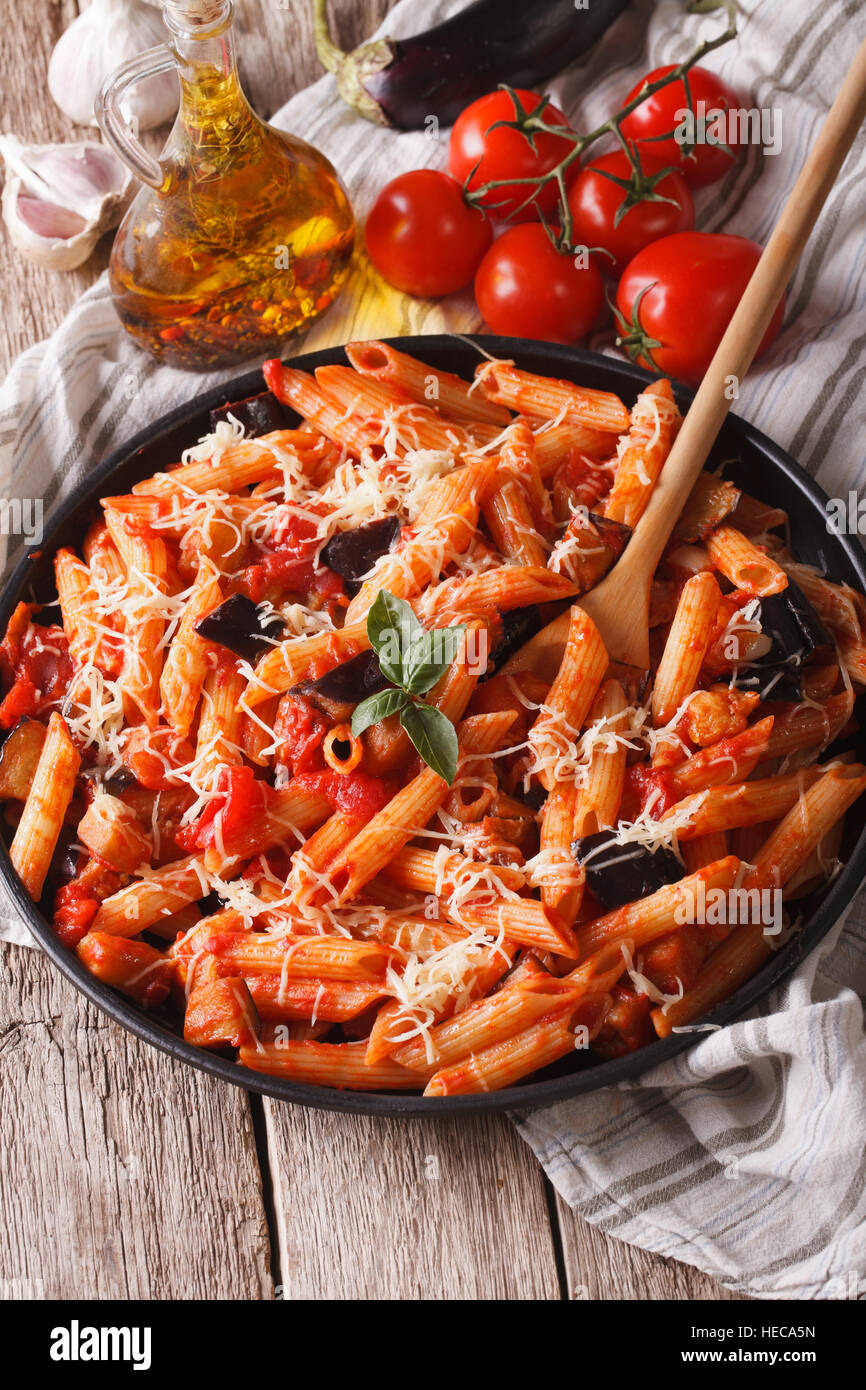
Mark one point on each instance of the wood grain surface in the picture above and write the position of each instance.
(125, 1174)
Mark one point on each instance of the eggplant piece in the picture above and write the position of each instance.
(352, 554)
(710, 501)
(67, 859)
(118, 783)
(793, 625)
(518, 625)
(259, 415)
(535, 797)
(339, 690)
(593, 549)
(796, 632)
(238, 625)
(403, 82)
(782, 681)
(618, 874)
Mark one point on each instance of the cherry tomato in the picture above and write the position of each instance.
(506, 154)
(677, 296)
(595, 202)
(528, 289)
(659, 114)
(423, 236)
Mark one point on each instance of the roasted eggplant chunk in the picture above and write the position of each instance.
(238, 625)
(619, 874)
(707, 505)
(258, 414)
(796, 633)
(518, 625)
(591, 545)
(338, 691)
(352, 554)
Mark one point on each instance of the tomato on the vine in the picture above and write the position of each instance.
(423, 236)
(526, 288)
(676, 298)
(623, 221)
(661, 114)
(504, 153)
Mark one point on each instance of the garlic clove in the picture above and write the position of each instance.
(49, 219)
(102, 37)
(59, 199)
(30, 223)
(79, 177)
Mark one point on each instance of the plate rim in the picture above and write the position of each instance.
(529, 1095)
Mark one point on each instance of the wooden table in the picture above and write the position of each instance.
(126, 1175)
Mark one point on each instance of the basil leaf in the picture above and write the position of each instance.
(430, 658)
(392, 628)
(433, 736)
(377, 707)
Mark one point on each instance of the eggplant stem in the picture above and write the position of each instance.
(352, 69)
(330, 55)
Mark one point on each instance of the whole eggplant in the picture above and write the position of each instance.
(403, 82)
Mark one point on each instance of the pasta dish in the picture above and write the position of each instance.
(295, 754)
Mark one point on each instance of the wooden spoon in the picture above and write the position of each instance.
(620, 605)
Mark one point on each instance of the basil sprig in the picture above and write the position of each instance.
(413, 660)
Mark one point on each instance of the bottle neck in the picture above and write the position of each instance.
(202, 38)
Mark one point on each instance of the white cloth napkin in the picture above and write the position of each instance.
(744, 1157)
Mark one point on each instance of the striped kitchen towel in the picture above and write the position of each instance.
(744, 1157)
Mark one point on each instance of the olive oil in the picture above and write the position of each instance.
(248, 237)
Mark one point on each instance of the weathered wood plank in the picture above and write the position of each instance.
(384, 1209)
(276, 48)
(124, 1174)
(597, 1266)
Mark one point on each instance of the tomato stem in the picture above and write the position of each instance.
(632, 336)
(641, 187)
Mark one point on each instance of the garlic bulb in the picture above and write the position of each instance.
(103, 36)
(59, 199)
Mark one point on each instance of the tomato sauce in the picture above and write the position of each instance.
(299, 729)
(243, 800)
(642, 784)
(35, 668)
(75, 907)
(291, 563)
(352, 793)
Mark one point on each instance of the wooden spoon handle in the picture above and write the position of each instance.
(750, 321)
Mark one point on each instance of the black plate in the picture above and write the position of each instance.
(759, 465)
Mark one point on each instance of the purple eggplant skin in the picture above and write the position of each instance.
(350, 682)
(619, 874)
(238, 625)
(518, 625)
(352, 554)
(797, 633)
(259, 415)
(438, 73)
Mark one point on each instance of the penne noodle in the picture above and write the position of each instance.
(581, 670)
(327, 1064)
(542, 397)
(744, 564)
(654, 424)
(686, 646)
(44, 811)
(442, 389)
